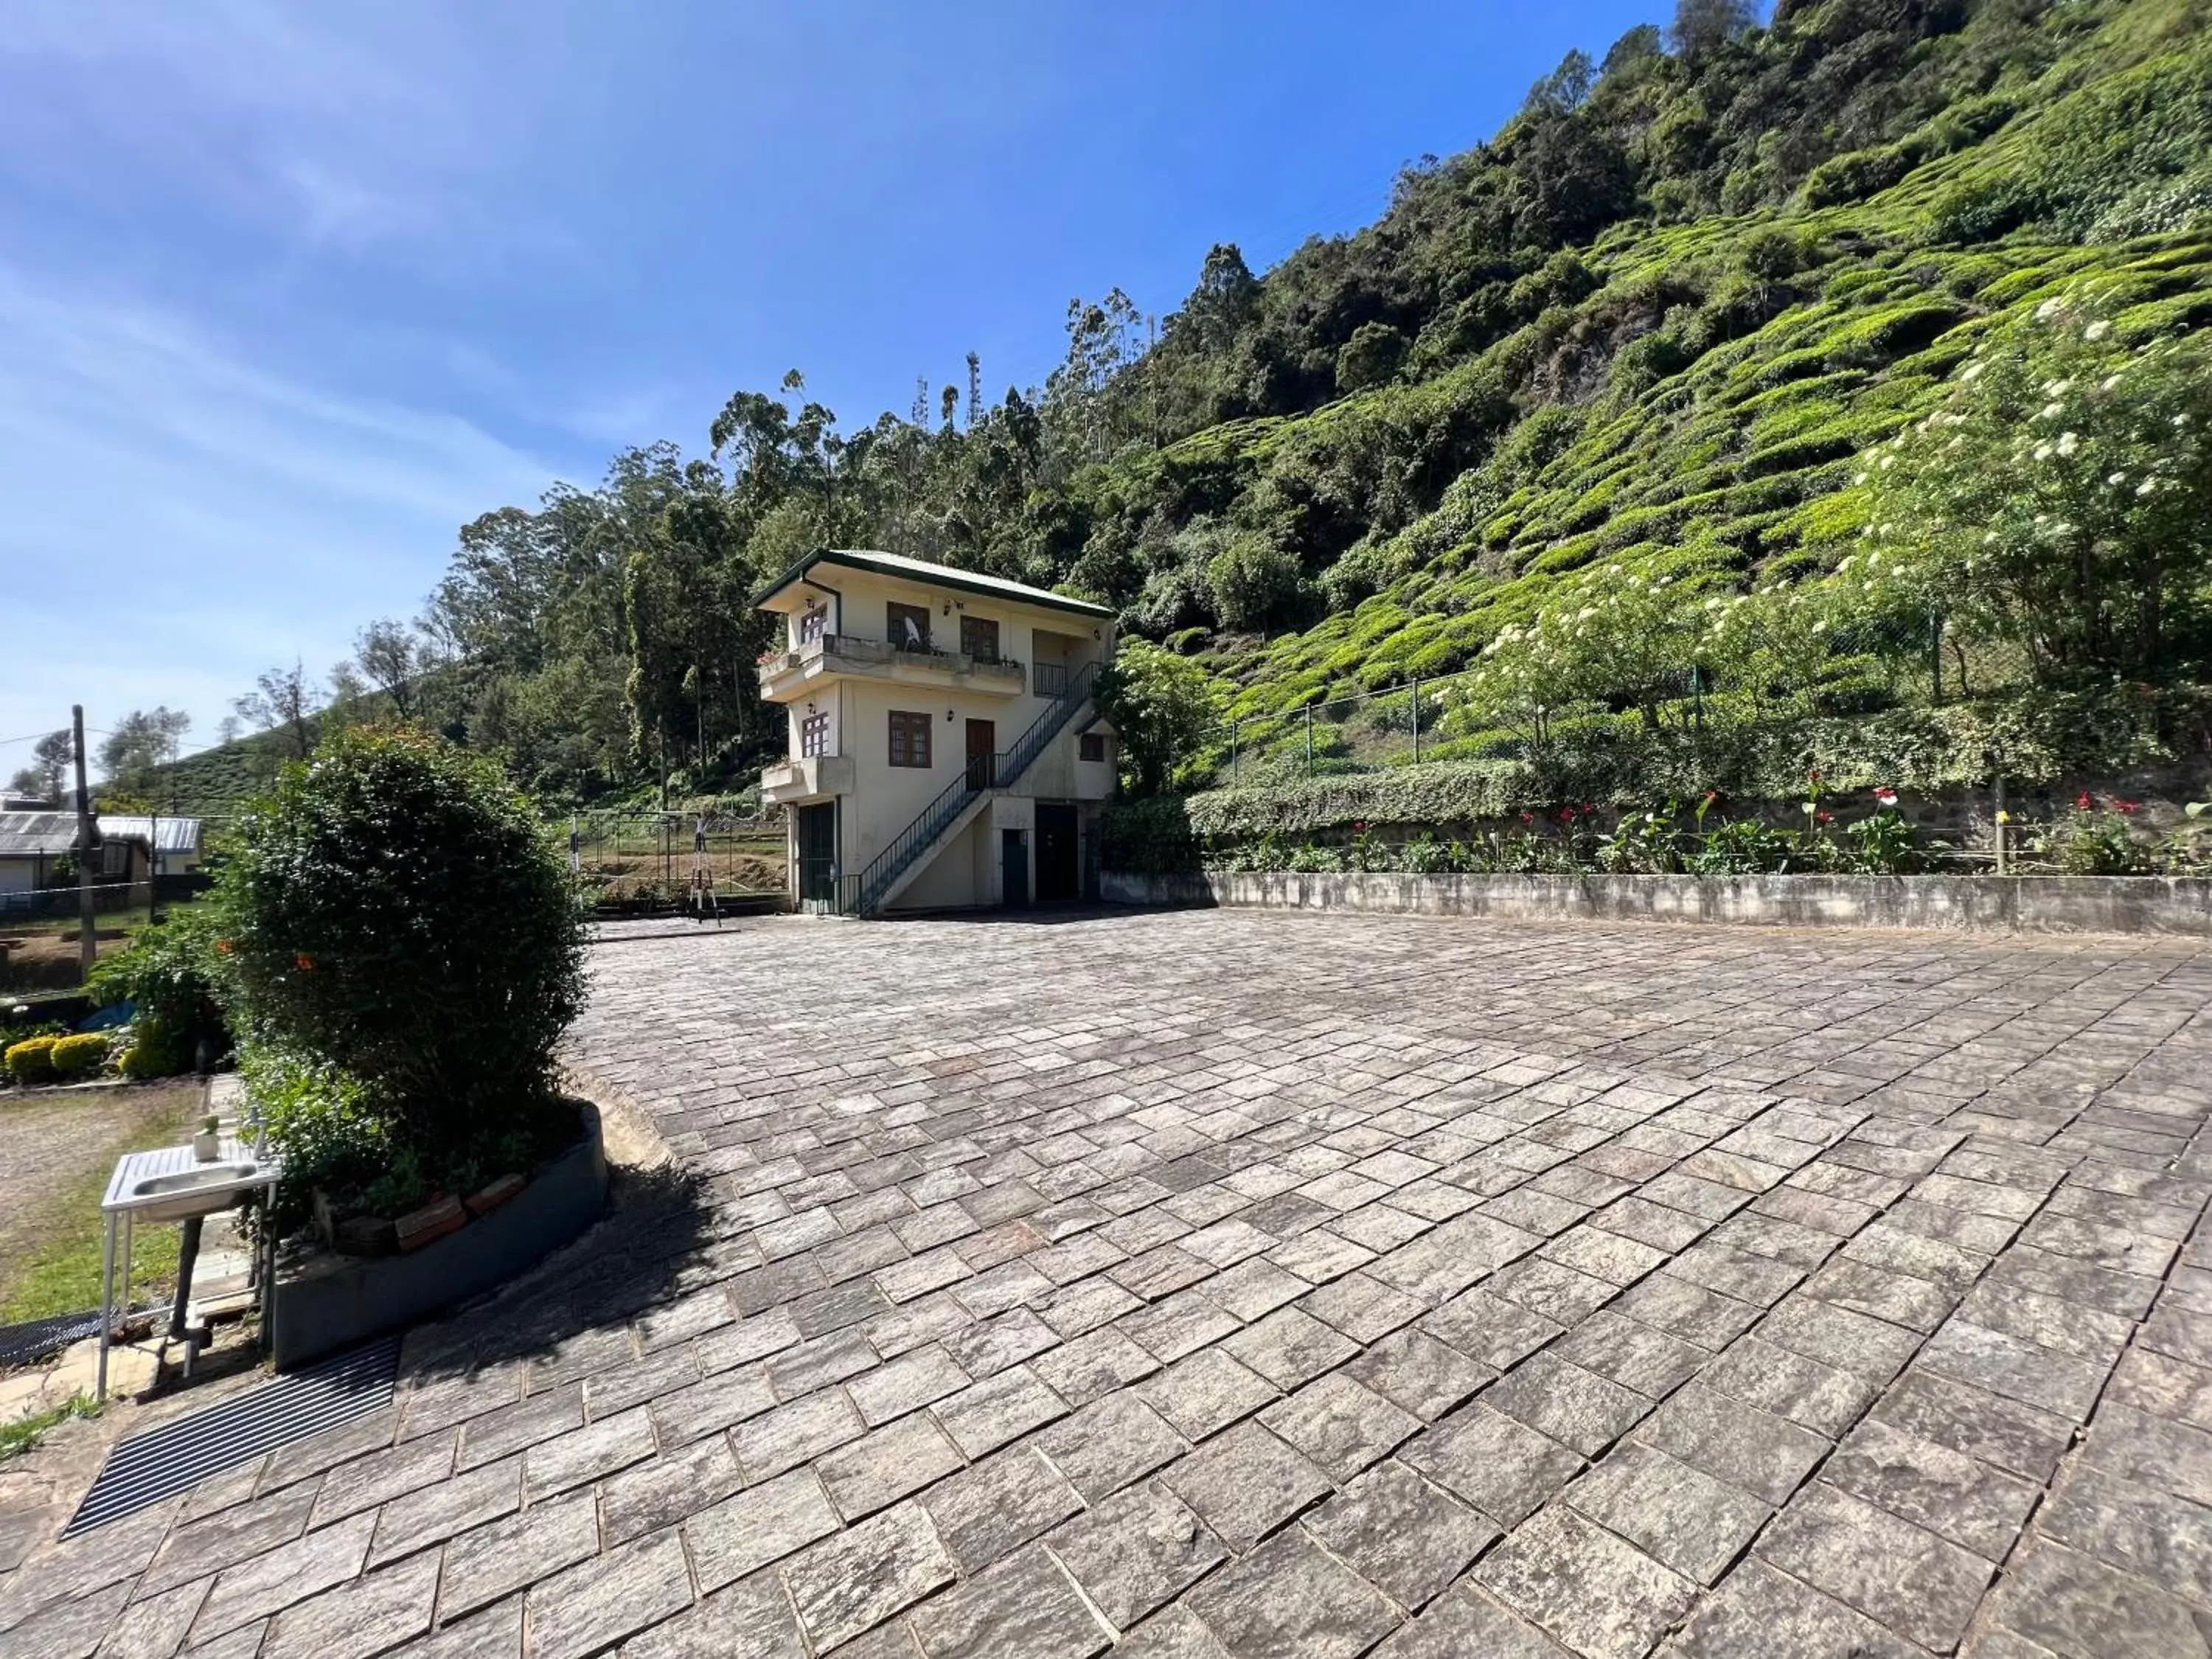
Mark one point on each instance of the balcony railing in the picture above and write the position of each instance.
(851, 647)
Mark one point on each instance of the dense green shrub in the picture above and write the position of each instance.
(332, 1137)
(168, 973)
(1148, 836)
(78, 1056)
(398, 919)
(32, 1060)
(1163, 708)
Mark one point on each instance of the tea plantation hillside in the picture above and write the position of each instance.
(1646, 334)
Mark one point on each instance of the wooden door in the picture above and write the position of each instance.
(983, 741)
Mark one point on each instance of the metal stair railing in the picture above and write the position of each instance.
(1003, 769)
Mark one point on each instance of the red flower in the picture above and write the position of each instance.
(1527, 817)
(1359, 826)
(1712, 795)
(304, 963)
(1589, 807)
(2084, 801)
(1885, 795)
(1566, 815)
(2128, 806)
(223, 947)
(1814, 776)
(1824, 817)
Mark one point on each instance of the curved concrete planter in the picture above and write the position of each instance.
(325, 1301)
(2180, 906)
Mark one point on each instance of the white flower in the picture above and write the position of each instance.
(1888, 462)
(1858, 477)
(2097, 330)
(2146, 486)
(1972, 371)
(1988, 538)
(2043, 452)
(2116, 479)
(2056, 388)
(2181, 420)
(2108, 383)
(2050, 412)
(2068, 442)
(2049, 309)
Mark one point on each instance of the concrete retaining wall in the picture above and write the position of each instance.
(2177, 905)
(328, 1301)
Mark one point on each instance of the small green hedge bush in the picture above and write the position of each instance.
(32, 1060)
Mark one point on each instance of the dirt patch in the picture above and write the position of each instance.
(62, 1144)
(48, 961)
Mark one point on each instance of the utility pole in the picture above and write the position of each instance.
(87, 948)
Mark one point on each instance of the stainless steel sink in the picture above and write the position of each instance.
(200, 1191)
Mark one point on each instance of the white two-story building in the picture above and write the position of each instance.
(946, 747)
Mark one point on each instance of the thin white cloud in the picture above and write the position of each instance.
(366, 129)
(179, 519)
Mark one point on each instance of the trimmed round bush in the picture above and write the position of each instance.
(395, 913)
(31, 1060)
(78, 1056)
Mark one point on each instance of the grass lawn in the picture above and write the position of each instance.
(65, 1147)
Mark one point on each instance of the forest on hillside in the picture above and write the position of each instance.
(1650, 333)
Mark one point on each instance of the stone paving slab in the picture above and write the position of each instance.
(1206, 1283)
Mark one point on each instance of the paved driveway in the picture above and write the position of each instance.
(1297, 1285)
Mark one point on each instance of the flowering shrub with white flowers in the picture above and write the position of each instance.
(1611, 632)
(2060, 496)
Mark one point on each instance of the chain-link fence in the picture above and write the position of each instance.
(653, 859)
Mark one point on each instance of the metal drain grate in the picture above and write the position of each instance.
(22, 1344)
(149, 1467)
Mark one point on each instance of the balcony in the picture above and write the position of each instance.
(794, 782)
(786, 675)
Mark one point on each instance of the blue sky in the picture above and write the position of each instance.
(288, 293)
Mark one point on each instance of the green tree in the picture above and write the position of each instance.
(389, 656)
(45, 777)
(1165, 709)
(282, 700)
(142, 740)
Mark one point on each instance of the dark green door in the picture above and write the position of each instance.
(1014, 870)
(818, 857)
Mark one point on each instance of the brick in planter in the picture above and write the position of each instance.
(491, 1197)
(441, 1215)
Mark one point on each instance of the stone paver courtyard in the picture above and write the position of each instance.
(1292, 1285)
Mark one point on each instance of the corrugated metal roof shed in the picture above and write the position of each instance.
(30, 835)
(23, 835)
(168, 835)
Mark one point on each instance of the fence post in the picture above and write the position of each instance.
(1308, 739)
(1997, 803)
(1417, 719)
